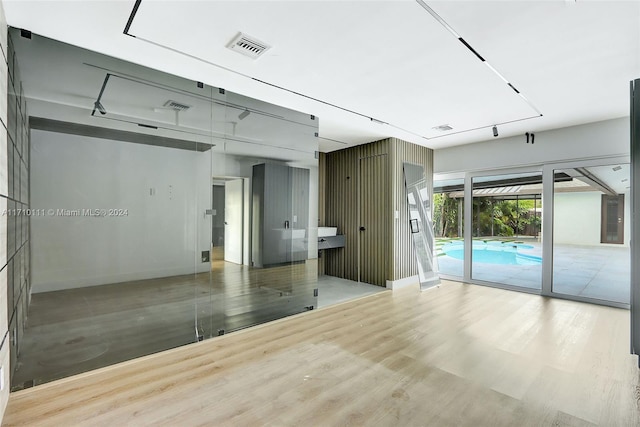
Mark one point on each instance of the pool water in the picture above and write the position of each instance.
(494, 252)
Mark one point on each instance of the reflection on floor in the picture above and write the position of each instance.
(601, 272)
(77, 330)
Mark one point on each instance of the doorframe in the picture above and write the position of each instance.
(246, 213)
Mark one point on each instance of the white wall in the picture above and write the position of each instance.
(163, 234)
(166, 192)
(608, 138)
(577, 218)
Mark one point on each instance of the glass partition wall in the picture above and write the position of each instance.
(164, 211)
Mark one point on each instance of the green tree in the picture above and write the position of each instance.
(445, 215)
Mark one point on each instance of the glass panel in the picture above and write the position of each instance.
(273, 149)
(591, 255)
(135, 247)
(448, 225)
(507, 214)
(420, 224)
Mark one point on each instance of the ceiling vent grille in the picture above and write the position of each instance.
(443, 128)
(177, 106)
(248, 46)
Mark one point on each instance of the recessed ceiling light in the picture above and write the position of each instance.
(442, 128)
(625, 180)
(616, 168)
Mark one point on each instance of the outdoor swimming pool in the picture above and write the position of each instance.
(493, 252)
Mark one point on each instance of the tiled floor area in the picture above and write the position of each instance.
(333, 290)
(601, 272)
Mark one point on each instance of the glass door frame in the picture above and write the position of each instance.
(468, 226)
(547, 225)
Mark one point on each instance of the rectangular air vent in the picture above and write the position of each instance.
(248, 46)
(442, 128)
(174, 105)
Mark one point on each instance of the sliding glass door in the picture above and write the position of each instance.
(448, 225)
(591, 254)
(506, 218)
(559, 230)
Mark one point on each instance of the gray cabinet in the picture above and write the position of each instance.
(280, 206)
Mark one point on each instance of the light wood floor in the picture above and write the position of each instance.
(458, 355)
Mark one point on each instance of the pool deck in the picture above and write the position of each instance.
(601, 272)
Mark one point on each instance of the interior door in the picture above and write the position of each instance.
(374, 220)
(612, 227)
(233, 220)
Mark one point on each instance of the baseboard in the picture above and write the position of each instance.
(403, 283)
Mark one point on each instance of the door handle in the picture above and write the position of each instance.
(286, 224)
(362, 228)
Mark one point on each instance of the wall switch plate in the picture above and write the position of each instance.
(205, 256)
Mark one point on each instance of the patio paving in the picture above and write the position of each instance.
(601, 272)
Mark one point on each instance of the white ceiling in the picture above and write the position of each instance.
(387, 60)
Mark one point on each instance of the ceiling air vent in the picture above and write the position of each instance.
(443, 128)
(178, 106)
(248, 46)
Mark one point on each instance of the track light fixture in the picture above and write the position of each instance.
(98, 106)
(244, 114)
(495, 131)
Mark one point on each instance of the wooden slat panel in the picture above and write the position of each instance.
(341, 205)
(374, 213)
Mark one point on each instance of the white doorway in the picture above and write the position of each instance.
(233, 220)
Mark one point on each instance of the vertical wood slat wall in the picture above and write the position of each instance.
(375, 215)
(339, 197)
(341, 205)
(404, 262)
